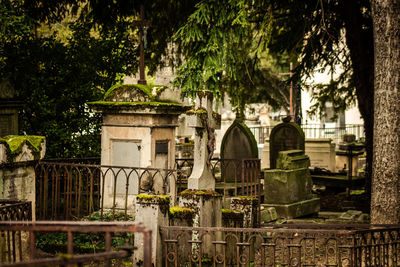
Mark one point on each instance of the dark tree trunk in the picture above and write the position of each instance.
(359, 40)
(385, 201)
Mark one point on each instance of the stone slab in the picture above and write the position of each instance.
(268, 214)
(292, 159)
(297, 209)
(287, 186)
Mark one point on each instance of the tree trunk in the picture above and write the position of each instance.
(359, 40)
(385, 201)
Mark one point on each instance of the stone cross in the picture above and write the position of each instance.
(142, 23)
(205, 121)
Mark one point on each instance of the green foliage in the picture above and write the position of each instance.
(59, 55)
(225, 52)
(55, 243)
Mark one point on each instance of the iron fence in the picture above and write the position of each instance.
(68, 191)
(284, 245)
(15, 210)
(33, 230)
(262, 133)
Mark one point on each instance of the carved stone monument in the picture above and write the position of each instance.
(284, 136)
(205, 121)
(138, 130)
(288, 187)
(238, 143)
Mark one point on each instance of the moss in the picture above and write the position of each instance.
(142, 104)
(231, 214)
(145, 88)
(181, 213)
(14, 144)
(197, 111)
(206, 193)
(159, 199)
(245, 200)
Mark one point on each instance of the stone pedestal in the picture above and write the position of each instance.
(18, 156)
(152, 212)
(288, 188)
(248, 206)
(208, 206)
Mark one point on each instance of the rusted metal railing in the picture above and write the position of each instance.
(66, 191)
(284, 245)
(107, 229)
(11, 242)
(15, 210)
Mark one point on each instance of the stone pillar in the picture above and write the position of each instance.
(247, 205)
(205, 121)
(152, 212)
(18, 156)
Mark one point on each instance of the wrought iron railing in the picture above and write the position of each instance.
(261, 133)
(67, 191)
(107, 230)
(15, 210)
(284, 245)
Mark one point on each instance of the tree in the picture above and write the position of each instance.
(385, 206)
(59, 55)
(318, 34)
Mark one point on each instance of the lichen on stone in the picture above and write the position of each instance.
(181, 213)
(193, 192)
(231, 214)
(158, 199)
(14, 144)
(244, 200)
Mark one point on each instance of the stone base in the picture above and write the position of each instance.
(297, 209)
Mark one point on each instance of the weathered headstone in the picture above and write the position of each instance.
(285, 136)
(238, 143)
(288, 187)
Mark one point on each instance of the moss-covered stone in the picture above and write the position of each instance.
(244, 200)
(205, 193)
(228, 214)
(181, 213)
(154, 199)
(14, 144)
(147, 89)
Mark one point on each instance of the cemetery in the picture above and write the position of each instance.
(186, 181)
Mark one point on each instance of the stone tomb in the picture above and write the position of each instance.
(321, 152)
(284, 136)
(138, 130)
(238, 143)
(288, 187)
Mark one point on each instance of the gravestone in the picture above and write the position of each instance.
(238, 143)
(288, 187)
(285, 136)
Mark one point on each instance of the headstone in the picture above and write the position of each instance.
(288, 188)
(205, 121)
(238, 143)
(285, 136)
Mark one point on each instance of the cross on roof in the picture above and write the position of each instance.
(142, 23)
